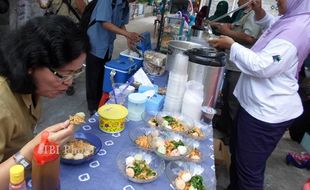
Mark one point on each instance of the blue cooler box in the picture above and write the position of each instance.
(124, 55)
(124, 70)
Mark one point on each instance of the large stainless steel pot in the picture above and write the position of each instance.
(206, 65)
(175, 47)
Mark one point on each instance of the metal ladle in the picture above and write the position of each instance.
(209, 28)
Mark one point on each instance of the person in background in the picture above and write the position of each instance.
(221, 9)
(40, 59)
(4, 6)
(72, 8)
(267, 88)
(202, 14)
(111, 18)
(245, 31)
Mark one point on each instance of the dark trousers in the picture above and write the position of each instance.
(231, 104)
(252, 142)
(94, 79)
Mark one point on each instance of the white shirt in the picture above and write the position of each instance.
(267, 88)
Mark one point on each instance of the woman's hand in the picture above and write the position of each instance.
(59, 133)
(223, 42)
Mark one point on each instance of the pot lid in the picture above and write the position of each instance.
(207, 56)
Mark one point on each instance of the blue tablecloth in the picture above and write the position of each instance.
(102, 172)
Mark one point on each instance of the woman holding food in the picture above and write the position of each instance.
(267, 88)
(39, 59)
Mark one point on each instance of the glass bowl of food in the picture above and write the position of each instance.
(143, 137)
(171, 146)
(198, 131)
(194, 154)
(140, 166)
(186, 175)
(149, 119)
(174, 122)
(82, 148)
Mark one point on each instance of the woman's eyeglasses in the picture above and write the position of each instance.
(68, 77)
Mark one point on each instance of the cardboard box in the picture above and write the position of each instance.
(305, 142)
(221, 153)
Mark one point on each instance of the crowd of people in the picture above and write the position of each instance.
(261, 100)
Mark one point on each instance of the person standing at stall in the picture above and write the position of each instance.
(245, 31)
(267, 88)
(221, 9)
(110, 17)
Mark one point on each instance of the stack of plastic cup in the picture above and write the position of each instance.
(176, 85)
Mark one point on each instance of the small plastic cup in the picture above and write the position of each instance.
(208, 113)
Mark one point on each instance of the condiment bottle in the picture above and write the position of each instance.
(17, 178)
(45, 165)
(306, 185)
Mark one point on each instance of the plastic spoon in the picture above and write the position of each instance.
(129, 82)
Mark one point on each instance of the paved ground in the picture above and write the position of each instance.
(278, 175)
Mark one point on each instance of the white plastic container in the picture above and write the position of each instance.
(192, 100)
(136, 106)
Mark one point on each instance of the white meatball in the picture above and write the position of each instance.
(192, 188)
(138, 157)
(130, 172)
(68, 156)
(186, 177)
(162, 149)
(180, 184)
(78, 156)
(182, 149)
(129, 160)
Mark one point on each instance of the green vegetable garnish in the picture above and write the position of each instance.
(169, 119)
(197, 182)
(177, 143)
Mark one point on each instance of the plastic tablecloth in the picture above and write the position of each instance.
(102, 172)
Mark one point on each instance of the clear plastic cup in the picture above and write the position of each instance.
(118, 95)
(208, 113)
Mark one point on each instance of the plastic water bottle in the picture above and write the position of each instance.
(45, 165)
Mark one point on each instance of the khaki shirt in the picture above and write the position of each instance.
(248, 26)
(18, 117)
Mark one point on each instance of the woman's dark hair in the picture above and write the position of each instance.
(49, 41)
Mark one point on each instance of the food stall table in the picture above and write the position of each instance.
(102, 171)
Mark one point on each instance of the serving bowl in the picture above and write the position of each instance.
(174, 122)
(171, 146)
(186, 175)
(143, 137)
(140, 166)
(149, 119)
(89, 145)
(198, 131)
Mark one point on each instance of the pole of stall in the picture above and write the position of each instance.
(209, 8)
(161, 26)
